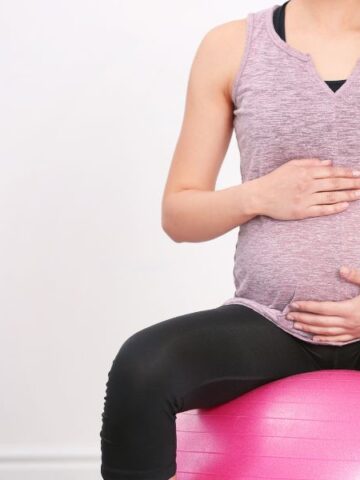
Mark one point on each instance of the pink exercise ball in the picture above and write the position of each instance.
(301, 427)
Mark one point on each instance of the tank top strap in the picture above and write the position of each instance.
(257, 46)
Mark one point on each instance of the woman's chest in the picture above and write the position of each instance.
(274, 124)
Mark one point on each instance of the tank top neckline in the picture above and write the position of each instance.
(343, 90)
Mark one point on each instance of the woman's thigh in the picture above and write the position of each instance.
(214, 355)
(207, 357)
(195, 360)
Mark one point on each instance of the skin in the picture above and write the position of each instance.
(193, 211)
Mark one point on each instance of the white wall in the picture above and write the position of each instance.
(92, 97)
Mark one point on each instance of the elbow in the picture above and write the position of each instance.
(168, 227)
(168, 223)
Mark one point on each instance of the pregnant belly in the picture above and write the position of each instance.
(279, 261)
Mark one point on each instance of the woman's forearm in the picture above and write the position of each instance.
(198, 215)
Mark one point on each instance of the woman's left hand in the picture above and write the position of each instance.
(330, 321)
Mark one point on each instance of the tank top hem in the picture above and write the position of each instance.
(280, 320)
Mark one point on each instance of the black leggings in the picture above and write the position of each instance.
(196, 360)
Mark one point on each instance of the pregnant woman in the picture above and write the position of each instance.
(294, 103)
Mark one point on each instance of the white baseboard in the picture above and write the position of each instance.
(42, 463)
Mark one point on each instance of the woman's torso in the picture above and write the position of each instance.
(284, 110)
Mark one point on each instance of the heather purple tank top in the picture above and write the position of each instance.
(284, 110)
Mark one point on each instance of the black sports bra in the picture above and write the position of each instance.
(279, 25)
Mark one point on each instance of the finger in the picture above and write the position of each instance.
(310, 161)
(319, 320)
(336, 183)
(304, 327)
(338, 338)
(331, 197)
(325, 308)
(321, 210)
(352, 274)
(324, 171)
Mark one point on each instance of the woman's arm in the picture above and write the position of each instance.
(192, 211)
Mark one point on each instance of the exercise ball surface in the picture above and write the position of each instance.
(301, 427)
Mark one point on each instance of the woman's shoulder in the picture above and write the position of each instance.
(223, 46)
(226, 37)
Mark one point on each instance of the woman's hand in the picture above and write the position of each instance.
(309, 187)
(330, 321)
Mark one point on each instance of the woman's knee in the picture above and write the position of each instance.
(143, 360)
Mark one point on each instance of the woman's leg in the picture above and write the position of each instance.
(195, 360)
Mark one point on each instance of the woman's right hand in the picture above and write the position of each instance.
(307, 187)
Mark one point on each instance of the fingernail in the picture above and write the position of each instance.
(344, 270)
(294, 305)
